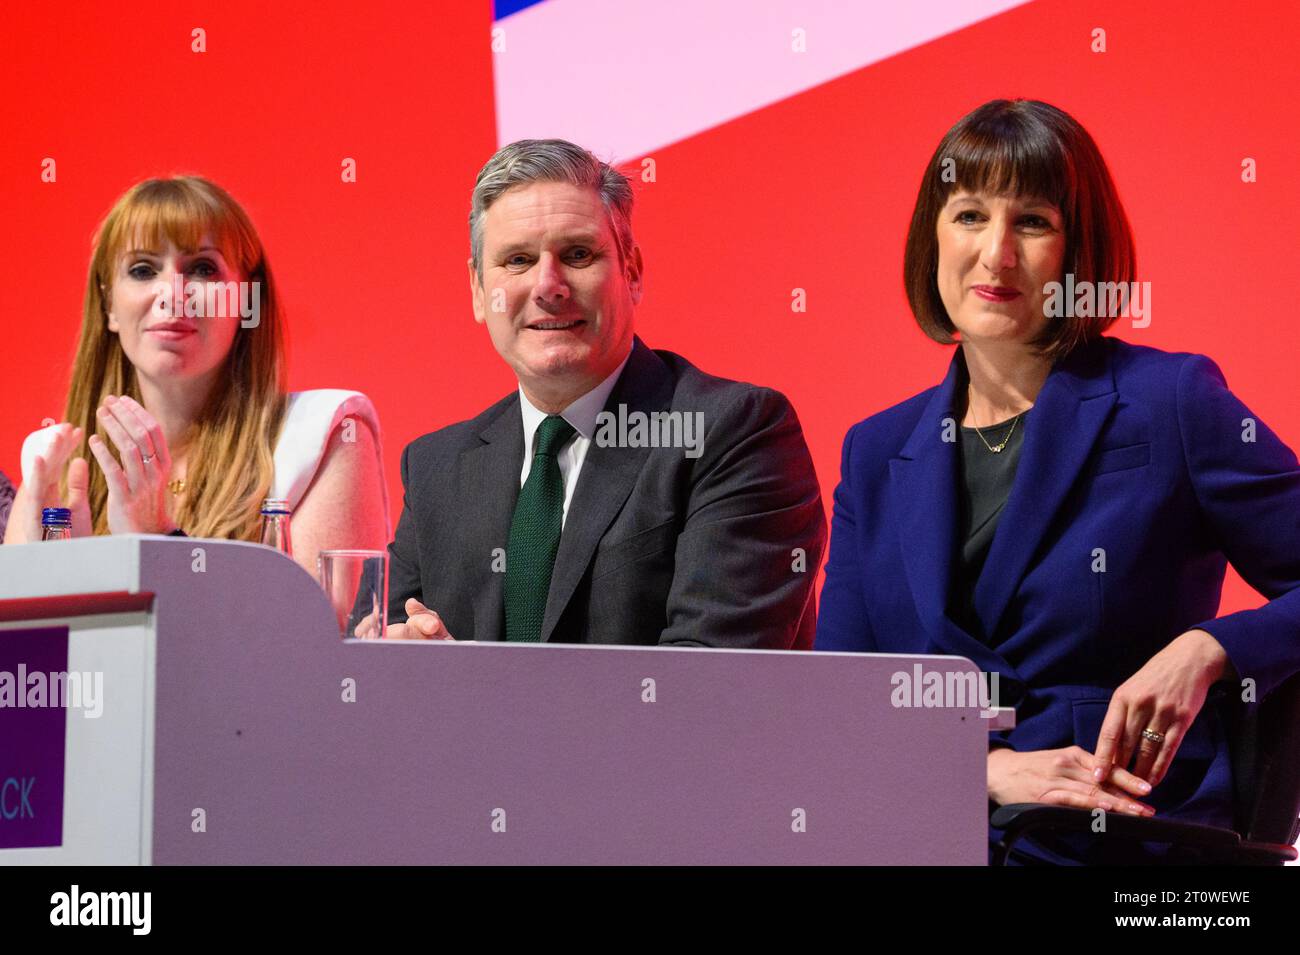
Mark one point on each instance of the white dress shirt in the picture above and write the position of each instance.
(582, 415)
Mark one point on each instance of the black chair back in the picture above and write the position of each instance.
(1266, 763)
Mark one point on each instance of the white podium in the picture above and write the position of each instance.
(234, 726)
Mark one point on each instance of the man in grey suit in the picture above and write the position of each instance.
(620, 495)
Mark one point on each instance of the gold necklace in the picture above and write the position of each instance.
(176, 486)
(997, 448)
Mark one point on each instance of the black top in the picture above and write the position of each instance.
(982, 492)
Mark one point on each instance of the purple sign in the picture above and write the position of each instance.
(32, 724)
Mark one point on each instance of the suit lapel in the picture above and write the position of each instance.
(487, 488)
(1060, 430)
(1067, 417)
(605, 481)
(923, 494)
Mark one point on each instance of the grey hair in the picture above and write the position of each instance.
(549, 160)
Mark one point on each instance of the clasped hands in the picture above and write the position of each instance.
(137, 502)
(1163, 698)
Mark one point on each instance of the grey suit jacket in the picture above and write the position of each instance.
(719, 550)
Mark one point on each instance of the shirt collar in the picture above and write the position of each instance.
(581, 413)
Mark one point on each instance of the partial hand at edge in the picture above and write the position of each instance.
(421, 624)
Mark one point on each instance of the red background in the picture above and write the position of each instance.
(814, 192)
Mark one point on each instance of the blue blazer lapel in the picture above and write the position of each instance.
(923, 488)
(923, 493)
(1060, 431)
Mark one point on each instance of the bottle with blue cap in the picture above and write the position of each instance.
(56, 524)
(275, 525)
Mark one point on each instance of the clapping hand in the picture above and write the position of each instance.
(40, 489)
(137, 499)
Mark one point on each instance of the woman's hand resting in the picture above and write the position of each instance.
(1062, 777)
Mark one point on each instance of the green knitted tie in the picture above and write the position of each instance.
(535, 535)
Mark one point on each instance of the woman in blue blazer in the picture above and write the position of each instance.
(1061, 508)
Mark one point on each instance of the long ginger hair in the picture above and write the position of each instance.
(229, 461)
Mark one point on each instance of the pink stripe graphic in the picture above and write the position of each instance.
(623, 78)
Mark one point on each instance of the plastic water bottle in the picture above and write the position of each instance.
(275, 525)
(56, 524)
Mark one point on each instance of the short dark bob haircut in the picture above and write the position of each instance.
(1031, 149)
